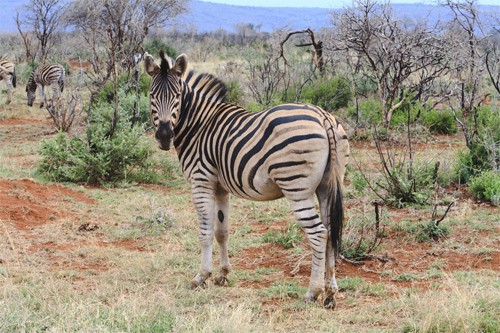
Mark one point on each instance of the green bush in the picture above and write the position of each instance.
(330, 95)
(100, 158)
(234, 93)
(153, 47)
(431, 231)
(471, 162)
(369, 112)
(486, 186)
(440, 122)
(125, 81)
(400, 115)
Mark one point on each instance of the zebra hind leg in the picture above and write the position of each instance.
(307, 216)
(221, 225)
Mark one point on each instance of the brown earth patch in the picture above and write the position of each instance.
(18, 121)
(27, 204)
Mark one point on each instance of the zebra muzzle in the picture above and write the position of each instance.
(164, 135)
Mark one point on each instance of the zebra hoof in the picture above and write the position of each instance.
(195, 285)
(41, 105)
(329, 303)
(221, 281)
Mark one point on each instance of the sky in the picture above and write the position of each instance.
(319, 3)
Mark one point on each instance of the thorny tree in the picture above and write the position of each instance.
(39, 20)
(114, 30)
(404, 58)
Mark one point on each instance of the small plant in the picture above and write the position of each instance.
(362, 235)
(350, 283)
(358, 182)
(291, 238)
(431, 231)
(486, 186)
(284, 290)
(405, 277)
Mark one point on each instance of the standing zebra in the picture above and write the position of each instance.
(292, 150)
(52, 74)
(8, 74)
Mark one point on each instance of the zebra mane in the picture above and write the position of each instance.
(165, 64)
(207, 85)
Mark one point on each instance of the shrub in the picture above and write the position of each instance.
(400, 115)
(471, 162)
(153, 46)
(486, 186)
(369, 112)
(100, 158)
(330, 95)
(402, 187)
(431, 231)
(125, 81)
(440, 122)
(234, 93)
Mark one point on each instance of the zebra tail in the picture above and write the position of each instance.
(336, 210)
(335, 192)
(14, 80)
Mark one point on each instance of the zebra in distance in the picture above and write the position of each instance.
(45, 75)
(8, 74)
(294, 151)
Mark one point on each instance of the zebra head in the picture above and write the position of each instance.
(165, 95)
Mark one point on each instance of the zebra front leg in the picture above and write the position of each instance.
(9, 90)
(204, 203)
(221, 224)
(306, 214)
(42, 95)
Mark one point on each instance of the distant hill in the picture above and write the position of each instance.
(207, 16)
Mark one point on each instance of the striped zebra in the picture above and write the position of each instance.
(294, 151)
(52, 74)
(8, 74)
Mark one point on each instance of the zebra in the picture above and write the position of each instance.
(51, 74)
(8, 74)
(292, 150)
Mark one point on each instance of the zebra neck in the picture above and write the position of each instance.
(195, 116)
(31, 82)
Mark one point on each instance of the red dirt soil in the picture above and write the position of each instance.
(27, 204)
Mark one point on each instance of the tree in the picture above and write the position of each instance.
(39, 20)
(114, 31)
(403, 58)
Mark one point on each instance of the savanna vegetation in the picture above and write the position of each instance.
(98, 231)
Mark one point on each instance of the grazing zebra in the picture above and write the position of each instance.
(42, 76)
(8, 74)
(292, 150)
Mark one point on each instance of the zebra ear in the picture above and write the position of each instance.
(149, 64)
(180, 65)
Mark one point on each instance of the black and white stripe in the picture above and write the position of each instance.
(45, 75)
(294, 151)
(8, 74)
